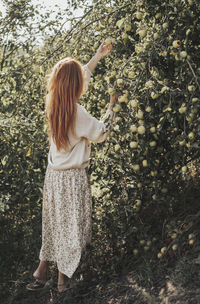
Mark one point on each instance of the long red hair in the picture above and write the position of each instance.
(65, 86)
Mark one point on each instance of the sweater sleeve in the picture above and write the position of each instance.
(91, 128)
(87, 75)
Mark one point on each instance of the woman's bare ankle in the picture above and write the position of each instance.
(41, 272)
(63, 282)
(40, 276)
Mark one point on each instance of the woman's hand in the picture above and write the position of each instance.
(104, 50)
(113, 98)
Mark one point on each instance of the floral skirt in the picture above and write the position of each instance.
(66, 217)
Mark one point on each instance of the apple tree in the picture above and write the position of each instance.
(140, 173)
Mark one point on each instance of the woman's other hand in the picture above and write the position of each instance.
(104, 49)
(113, 99)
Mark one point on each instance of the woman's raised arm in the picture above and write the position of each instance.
(102, 51)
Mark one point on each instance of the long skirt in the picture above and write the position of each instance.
(66, 217)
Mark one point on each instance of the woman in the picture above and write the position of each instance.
(66, 214)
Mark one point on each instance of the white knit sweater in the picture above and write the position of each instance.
(88, 129)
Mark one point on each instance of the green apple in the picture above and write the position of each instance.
(127, 27)
(133, 144)
(141, 122)
(118, 119)
(140, 114)
(182, 109)
(138, 202)
(189, 119)
(154, 95)
(124, 36)
(156, 36)
(153, 143)
(153, 173)
(109, 41)
(191, 88)
(139, 15)
(117, 147)
(176, 43)
(141, 130)
(142, 242)
(120, 82)
(117, 108)
(184, 169)
(164, 54)
(158, 15)
(152, 129)
(183, 54)
(145, 163)
(191, 242)
(165, 25)
(182, 143)
(148, 109)
(111, 91)
(149, 84)
(135, 229)
(133, 128)
(191, 236)
(191, 135)
(177, 57)
(136, 167)
(139, 49)
(123, 98)
(174, 235)
(134, 103)
(165, 88)
(163, 249)
(131, 75)
(175, 247)
(142, 33)
(135, 251)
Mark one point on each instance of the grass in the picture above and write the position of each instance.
(151, 282)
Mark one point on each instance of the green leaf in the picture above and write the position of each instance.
(120, 23)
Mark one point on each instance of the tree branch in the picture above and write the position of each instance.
(195, 77)
(83, 28)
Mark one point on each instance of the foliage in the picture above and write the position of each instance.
(140, 175)
(24, 144)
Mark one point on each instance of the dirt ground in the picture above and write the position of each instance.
(180, 285)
